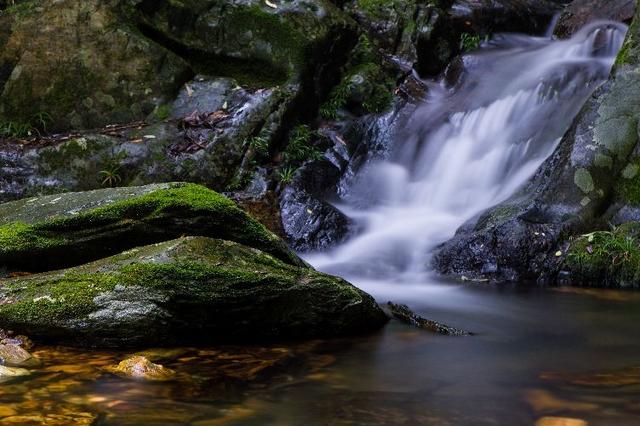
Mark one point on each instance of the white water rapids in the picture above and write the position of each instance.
(466, 149)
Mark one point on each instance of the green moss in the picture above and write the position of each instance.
(70, 296)
(162, 112)
(377, 85)
(189, 272)
(607, 257)
(628, 186)
(18, 236)
(180, 208)
(20, 8)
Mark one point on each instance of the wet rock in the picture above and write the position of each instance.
(68, 229)
(190, 290)
(403, 314)
(139, 367)
(78, 418)
(309, 222)
(263, 208)
(156, 354)
(543, 401)
(441, 40)
(23, 341)
(395, 25)
(15, 356)
(581, 12)
(213, 34)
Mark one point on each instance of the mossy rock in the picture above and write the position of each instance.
(184, 291)
(82, 64)
(56, 231)
(249, 40)
(606, 258)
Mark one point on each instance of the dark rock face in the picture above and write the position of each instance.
(308, 221)
(588, 182)
(580, 12)
(190, 290)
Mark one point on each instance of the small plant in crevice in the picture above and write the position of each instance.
(36, 126)
(300, 147)
(15, 129)
(259, 145)
(111, 176)
(285, 174)
(365, 88)
(469, 42)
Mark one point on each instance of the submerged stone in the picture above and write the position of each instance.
(189, 290)
(139, 367)
(7, 373)
(15, 356)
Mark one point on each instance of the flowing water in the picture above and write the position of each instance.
(537, 354)
(468, 148)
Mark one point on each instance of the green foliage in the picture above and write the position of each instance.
(613, 256)
(162, 112)
(300, 147)
(13, 129)
(469, 42)
(110, 176)
(259, 145)
(375, 83)
(36, 125)
(285, 174)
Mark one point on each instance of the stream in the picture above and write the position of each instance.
(537, 354)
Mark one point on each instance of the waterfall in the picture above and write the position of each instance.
(467, 148)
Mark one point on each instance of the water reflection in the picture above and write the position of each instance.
(537, 354)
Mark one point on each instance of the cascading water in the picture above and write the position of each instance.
(468, 148)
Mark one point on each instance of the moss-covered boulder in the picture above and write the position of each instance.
(50, 232)
(81, 64)
(189, 290)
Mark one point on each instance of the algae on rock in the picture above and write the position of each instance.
(189, 290)
(69, 229)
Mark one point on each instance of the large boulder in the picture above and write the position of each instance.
(51, 232)
(184, 291)
(587, 183)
